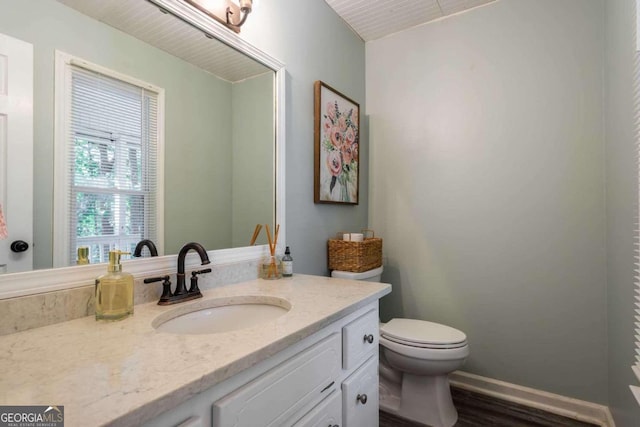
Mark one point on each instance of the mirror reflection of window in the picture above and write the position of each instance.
(217, 127)
(112, 167)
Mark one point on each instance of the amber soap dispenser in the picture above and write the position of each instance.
(114, 291)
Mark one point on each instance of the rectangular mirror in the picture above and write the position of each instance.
(216, 127)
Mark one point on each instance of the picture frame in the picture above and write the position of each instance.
(336, 147)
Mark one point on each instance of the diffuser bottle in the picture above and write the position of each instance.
(287, 263)
(114, 291)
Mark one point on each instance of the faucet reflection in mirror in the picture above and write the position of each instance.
(226, 12)
(153, 251)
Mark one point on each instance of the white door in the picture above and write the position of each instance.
(16, 153)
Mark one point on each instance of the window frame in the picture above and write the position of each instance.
(62, 107)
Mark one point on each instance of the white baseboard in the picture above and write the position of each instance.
(554, 403)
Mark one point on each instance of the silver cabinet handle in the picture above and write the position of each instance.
(369, 338)
(362, 398)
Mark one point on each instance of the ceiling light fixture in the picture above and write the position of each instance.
(226, 12)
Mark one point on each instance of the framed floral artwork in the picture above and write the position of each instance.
(337, 144)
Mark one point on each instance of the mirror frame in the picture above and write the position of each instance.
(47, 280)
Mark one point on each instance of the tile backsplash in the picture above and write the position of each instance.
(33, 311)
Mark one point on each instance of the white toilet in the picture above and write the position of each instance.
(416, 358)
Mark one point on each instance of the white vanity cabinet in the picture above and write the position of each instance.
(327, 379)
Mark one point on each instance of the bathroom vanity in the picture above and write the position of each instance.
(317, 364)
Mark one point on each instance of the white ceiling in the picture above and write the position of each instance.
(373, 19)
(145, 22)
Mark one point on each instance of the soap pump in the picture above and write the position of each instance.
(114, 291)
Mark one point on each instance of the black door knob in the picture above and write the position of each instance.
(19, 246)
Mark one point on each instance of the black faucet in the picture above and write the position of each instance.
(141, 244)
(204, 260)
(182, 294)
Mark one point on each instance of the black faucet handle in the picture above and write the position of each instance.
(193, 289)
(166, 287)
(156, 279)
(195, 273)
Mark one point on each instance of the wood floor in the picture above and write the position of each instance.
(479, 410)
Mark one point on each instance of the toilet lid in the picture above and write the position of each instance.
(421, 333)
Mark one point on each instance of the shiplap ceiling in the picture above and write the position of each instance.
(373, 19)
(144, 21)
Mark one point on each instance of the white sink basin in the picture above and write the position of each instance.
(221, 315)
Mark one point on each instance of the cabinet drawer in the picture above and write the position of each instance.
(327, 413)
(278, 394)
(360, 396)
(360, 339)
(192, 422)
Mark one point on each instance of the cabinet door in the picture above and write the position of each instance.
(279, 394)
(360, 396)
(327, 413)
(360, 339)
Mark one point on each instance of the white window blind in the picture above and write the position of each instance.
(636, 76)
(112, 156)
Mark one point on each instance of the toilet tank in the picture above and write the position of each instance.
(374, 275)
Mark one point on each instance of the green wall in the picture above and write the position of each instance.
(487, 184)
(314, 44)
(252, 200)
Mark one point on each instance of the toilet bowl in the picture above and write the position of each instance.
(416, 358)
(424, 353)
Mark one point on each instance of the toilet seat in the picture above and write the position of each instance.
(423, 345)
(424, 353)
(422, 334)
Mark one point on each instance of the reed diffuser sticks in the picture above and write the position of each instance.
(272, 270)
(256, 232)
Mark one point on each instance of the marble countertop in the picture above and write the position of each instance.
(124, 372)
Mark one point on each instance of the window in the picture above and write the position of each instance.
(107, 157)
(636, 367)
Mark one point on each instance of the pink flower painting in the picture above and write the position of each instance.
(337, 143)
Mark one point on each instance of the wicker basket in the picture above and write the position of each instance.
(355, 257)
